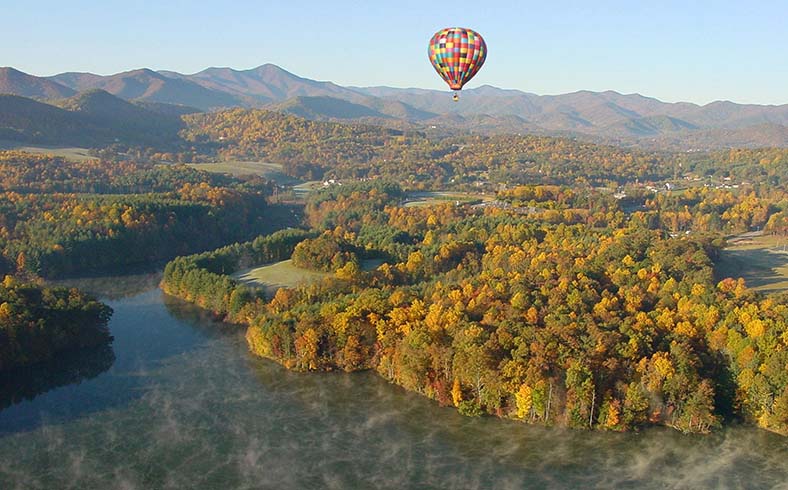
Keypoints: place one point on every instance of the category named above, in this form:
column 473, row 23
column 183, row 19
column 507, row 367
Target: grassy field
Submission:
column 267, row 170
column 301, row 190
column 762, row 260
column 279, row 275
column 285, row 275
column 427, row 198
column 73, row 154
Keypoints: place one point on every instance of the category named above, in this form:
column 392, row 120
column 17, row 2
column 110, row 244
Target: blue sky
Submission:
column 697, row 51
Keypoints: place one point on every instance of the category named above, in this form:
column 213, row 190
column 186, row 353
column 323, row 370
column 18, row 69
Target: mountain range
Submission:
column 608, row 116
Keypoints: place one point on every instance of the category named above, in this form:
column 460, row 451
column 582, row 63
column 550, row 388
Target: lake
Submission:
column 177, row 402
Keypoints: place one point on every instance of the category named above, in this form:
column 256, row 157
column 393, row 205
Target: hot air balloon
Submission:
column 457, row 55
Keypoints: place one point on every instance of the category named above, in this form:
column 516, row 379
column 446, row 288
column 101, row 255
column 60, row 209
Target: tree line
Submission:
column 59, row 218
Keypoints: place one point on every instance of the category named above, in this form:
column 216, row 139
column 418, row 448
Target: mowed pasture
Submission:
column 762, row 260
column 69, row 153
column 267, row 170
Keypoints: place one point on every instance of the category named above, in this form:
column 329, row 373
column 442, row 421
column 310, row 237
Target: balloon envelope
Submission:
column 457, row 55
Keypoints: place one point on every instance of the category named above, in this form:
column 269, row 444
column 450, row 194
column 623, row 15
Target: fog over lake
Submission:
column 179, row 403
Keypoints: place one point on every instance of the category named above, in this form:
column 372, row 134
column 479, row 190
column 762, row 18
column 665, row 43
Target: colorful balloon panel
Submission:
column 457, row 55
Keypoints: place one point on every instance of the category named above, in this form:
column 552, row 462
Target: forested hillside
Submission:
column 311, row 149
column 60, row 218
column 93, row 119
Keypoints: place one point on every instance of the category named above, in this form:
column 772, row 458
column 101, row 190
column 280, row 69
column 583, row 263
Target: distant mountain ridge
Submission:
column 150, row 86
column 605, row 115
column 15, row 82
column 266, row 83
column 92, row 118
column 29, row 121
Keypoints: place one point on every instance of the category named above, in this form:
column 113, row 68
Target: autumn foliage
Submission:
column 579, row 324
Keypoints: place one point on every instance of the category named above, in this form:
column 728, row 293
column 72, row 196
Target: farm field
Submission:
column 268, row 170
column 69, row 153
column 762, row 260
column 301, row 190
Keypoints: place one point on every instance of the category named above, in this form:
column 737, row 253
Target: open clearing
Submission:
column 272, row 171
column 303, row 189
column 285, row 275
column 69, row 153
column 762, row 260
column 431, row 198
column 279, row 275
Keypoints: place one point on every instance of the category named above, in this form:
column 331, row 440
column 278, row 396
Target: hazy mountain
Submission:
column 569, row 120
column 583, row 111
column 265, row 84
column 150, row 86
column 331, row 108
column 15, row 82
column 648, row 126
column 482, row 123
column 92, row 118
column 166, row 109
column 482, row 100
column 724, row 114
column 78, row 81
column 124, row 118
column 762, row 135
column 397, row 109
column 605, row 115
column 591, row 112
column 321, row 107
column 26, row 120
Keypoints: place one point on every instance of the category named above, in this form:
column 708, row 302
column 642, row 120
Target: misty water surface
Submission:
column 179, row 403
